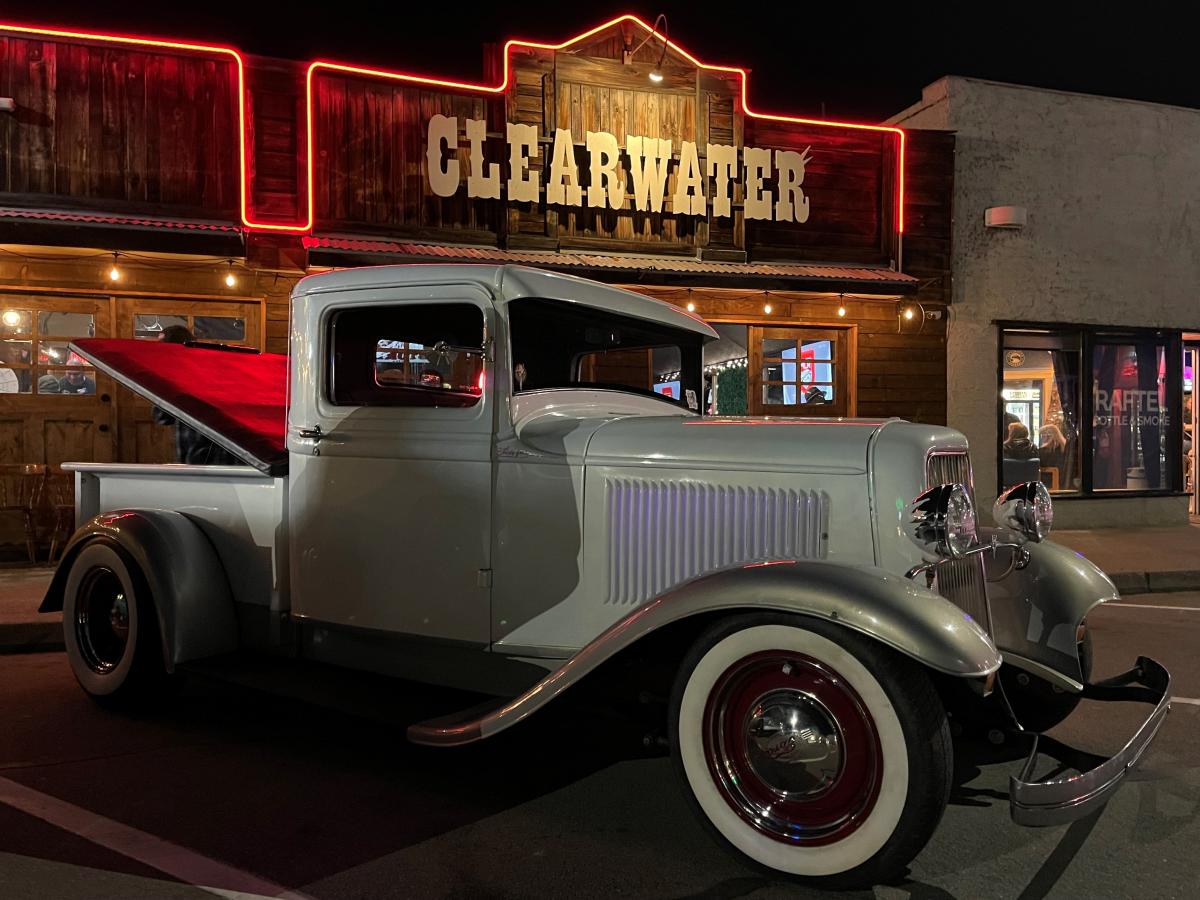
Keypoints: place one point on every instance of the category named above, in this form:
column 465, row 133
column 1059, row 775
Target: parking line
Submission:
column 1149, row 606
column 178, row 862
column 1192, row 700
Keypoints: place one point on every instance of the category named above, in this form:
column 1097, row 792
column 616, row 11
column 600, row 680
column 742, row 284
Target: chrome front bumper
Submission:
column 1060, row 800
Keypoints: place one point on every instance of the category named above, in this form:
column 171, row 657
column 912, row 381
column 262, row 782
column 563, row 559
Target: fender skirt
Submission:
column 182, row 571
column 887, row 607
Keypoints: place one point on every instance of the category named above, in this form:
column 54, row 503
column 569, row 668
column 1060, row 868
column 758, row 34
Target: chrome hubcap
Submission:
column 793, row 744
column 102, row 620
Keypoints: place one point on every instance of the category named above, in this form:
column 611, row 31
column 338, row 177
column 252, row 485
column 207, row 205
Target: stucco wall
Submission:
column 1112, row 189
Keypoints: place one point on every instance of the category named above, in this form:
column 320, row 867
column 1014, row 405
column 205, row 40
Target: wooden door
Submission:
column 799, row 372
column 54, row 407
column 140, row 438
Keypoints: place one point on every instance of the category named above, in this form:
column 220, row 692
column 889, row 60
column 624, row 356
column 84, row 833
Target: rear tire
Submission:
column 111, row 632
column 810, row 750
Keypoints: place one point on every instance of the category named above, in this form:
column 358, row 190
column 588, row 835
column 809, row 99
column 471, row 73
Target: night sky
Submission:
column 850, row 60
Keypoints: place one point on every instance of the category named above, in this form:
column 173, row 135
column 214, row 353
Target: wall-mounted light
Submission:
column 114, row 273
column 656, row 75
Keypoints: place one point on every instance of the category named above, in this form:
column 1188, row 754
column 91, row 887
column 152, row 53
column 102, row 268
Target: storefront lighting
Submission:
column 114, row 273
column 656, row 76
column 908, row 313
column 230, row 278
column 767, row 308
column 842, row 311
column 691, row 307
column 12, row 318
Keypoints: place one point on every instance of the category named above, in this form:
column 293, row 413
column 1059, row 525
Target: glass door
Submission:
column 1191, row 358
column 140, row 438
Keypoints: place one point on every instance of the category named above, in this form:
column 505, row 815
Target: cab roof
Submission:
column 508, row 283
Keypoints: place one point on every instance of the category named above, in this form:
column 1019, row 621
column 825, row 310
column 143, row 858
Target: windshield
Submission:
column 564, row 345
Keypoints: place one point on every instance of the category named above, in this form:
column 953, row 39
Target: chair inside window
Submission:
column 60, row 495
column 20, row 493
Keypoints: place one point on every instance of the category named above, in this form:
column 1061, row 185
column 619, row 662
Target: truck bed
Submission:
column 234, row 396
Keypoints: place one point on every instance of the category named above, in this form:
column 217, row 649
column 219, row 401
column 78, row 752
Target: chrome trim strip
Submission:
column 168, row 469
column 1042, row 803
column 1055, row 677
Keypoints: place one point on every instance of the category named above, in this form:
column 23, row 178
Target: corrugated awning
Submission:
column 866, row 278
column 52, row 215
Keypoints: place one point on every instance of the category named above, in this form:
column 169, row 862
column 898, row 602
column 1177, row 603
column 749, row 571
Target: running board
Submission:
column 463, row 727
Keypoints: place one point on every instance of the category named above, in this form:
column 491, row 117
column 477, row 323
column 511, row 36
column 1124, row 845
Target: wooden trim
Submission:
column 117, row 295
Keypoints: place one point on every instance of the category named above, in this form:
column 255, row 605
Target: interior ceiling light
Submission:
column 11, row 318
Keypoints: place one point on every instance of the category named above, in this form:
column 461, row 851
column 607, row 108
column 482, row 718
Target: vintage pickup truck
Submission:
column 458, row 476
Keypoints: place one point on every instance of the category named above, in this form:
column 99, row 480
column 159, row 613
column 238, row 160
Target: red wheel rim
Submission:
column 792, row 748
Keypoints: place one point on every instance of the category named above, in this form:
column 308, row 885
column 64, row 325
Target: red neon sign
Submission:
column 233, row 54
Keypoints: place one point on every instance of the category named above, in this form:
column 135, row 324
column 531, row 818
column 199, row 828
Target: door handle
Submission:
column 313, row 434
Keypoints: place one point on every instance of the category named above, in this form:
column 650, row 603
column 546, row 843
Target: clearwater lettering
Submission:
column 647, row 160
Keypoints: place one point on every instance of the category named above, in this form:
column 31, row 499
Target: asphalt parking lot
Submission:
column 236, row 792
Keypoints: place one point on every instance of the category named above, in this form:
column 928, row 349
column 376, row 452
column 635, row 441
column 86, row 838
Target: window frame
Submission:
column 1090, row 336
column 329, row 394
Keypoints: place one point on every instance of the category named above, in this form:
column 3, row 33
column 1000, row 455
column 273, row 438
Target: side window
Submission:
column 407, row 355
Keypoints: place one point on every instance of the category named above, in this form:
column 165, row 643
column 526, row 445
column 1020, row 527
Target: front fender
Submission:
column 887, row 607
column 1036, row 610
column 185, row 576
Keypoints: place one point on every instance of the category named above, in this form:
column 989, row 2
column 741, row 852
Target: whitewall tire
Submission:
column 809, row 749
column 110, row 629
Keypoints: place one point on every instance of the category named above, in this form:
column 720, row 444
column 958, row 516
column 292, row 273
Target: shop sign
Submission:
column 1128, row 407
column 648, row 160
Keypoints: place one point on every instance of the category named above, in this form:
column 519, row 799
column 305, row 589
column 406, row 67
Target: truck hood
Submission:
column 833, row 446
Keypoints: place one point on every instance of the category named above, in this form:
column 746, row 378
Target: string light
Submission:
column 691, row 307
column 114, row 274
column 767, row 308
column 842, row 311
column 230, row 278
column 728, row 364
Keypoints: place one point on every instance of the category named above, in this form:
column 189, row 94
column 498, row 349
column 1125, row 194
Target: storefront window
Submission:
column 1089, row 412
column 1039, row 426
column 1130, row 416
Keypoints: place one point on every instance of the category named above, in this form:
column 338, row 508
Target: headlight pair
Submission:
column 943, row 518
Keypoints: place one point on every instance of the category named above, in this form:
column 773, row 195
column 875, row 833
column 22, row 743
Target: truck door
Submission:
column 390, row 471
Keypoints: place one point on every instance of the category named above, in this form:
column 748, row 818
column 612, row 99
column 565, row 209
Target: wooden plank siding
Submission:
column 102, row 127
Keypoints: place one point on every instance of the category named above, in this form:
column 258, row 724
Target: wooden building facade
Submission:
column 147, row 183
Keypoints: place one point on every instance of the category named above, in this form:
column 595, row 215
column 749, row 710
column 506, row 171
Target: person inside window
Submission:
column 190, row 445
column 1018, row 445
column 76, row 381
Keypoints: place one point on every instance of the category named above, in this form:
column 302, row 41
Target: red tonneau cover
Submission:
column 234, row 397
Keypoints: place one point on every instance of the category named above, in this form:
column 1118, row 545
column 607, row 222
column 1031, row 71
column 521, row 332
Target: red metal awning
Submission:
column 82, row 218
column 877, row 279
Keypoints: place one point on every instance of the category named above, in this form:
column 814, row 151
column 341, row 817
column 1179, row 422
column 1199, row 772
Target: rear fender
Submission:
column 887, row 607
column 186, row 579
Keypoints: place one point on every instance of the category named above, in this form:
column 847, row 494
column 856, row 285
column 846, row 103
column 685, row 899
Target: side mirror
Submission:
column 1025, row 508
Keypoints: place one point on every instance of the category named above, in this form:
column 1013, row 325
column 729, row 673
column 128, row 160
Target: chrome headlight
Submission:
column 1025, row 508
column 943, row 520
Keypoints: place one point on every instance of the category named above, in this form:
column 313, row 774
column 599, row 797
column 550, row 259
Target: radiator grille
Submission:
column 961, row 581
column 661, row 533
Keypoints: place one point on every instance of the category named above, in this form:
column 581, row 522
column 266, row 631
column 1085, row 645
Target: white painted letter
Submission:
column 523, row 184
column 757, row 162
column 605, row 187
column 563, row 169
column 722, row 160
column 484, row 178
column 443, row 173
column 792, row 205
column 689, row 199
column 648, row 160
